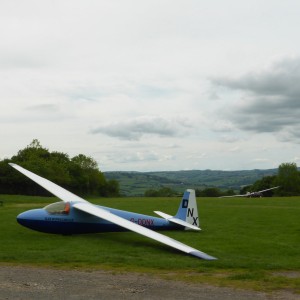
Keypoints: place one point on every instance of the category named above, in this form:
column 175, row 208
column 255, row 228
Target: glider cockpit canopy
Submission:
column 58, row 208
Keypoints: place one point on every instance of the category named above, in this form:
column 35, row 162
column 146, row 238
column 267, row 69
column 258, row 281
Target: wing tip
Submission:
column 202, row 255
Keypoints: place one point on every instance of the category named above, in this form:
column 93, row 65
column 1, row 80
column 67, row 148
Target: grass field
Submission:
column 256, row 241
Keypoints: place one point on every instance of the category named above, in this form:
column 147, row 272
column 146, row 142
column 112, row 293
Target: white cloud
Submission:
column 134, row 129
column 268, row 100
column 138, row 74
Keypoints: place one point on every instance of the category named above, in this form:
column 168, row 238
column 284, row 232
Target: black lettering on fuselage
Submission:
column 143, row 222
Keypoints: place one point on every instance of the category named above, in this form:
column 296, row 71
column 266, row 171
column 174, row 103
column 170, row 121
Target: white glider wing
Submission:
column 91, row 209
column 103, row 214
column 249, row 194
column 275, row 187
column 53, row 188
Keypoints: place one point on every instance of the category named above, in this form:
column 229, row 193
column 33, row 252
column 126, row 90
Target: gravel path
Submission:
column 41, row 283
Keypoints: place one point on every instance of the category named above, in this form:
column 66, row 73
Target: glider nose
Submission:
column 30, row 218
column 22, row 218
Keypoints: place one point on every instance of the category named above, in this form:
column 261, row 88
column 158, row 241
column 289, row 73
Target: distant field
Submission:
column 256, row 241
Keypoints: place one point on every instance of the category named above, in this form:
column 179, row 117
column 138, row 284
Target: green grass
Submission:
column 257, row 242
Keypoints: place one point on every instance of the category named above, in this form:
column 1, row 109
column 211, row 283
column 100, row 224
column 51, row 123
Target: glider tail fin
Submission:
column 187, row 214
column 188, row 210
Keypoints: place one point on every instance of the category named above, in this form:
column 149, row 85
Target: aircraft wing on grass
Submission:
column 251, row 194
column 96, row 211
column 91, row 209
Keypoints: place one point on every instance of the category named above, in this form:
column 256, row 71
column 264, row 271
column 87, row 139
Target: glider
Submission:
column 251, row 194
column 75, row 215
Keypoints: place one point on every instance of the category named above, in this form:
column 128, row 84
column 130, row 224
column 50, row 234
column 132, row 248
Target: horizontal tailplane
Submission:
column 176, row 221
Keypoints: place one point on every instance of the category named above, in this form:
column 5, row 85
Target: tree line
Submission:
column 79, row 174
column 287, row 178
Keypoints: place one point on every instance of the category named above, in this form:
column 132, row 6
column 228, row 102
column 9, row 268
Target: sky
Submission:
column 153, row 85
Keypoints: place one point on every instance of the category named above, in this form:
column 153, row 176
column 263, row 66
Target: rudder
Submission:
column 188, row 210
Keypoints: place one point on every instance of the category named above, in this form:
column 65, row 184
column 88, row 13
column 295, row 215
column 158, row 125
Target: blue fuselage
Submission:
column 75, row 221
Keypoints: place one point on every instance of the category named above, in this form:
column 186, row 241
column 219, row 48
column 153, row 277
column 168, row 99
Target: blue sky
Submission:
column 153, row 85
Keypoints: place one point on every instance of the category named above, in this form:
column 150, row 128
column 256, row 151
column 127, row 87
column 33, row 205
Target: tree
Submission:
column 112, row 188
column 91, row 177
column 229, row 192
column 209, row 192
column 33, row 152
column 288, row 179
column 162, row 192
column 85, row 162
column 79, row 174
column 261, row 184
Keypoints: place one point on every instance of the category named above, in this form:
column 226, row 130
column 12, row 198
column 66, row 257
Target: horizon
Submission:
column 193, row 170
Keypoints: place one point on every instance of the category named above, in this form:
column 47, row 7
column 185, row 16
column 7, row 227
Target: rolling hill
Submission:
column 136, row 183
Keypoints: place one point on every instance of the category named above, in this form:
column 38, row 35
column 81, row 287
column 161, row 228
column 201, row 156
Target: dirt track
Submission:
column 40, row 283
